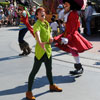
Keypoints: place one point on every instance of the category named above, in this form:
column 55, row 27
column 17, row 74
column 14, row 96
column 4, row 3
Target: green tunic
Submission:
column 45, row 31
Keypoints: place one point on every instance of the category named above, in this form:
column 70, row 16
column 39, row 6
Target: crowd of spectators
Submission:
column 9, row 15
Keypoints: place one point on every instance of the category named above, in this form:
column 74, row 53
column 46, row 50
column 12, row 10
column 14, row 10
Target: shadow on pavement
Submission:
column 13, row 29
column 9, row 58
column 38, row 94
column 54, row 48
column 97, row 63
column 64, row 53
column 39, row 82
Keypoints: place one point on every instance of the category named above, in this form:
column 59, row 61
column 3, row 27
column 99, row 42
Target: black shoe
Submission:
column 79, row 69
column 76, row 72
column 27, row 53
column 22, row 54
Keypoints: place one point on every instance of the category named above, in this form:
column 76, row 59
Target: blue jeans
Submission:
column 88, row 20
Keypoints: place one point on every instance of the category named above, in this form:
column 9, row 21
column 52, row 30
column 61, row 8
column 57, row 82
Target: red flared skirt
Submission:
column 76, row 42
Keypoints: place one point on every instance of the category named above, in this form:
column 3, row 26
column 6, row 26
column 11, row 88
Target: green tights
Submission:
column 36, row 67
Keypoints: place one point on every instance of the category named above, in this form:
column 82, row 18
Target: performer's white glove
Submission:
column 24, row 13
column 64, row 40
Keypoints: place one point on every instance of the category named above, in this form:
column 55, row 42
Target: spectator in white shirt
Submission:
column 54, row 26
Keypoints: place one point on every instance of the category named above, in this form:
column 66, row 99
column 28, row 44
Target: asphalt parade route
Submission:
column 14, row 71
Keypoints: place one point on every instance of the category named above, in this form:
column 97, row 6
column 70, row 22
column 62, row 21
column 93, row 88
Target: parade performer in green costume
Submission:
column 43, row 53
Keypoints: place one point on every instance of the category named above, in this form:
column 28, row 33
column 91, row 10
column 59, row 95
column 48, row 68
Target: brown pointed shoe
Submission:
column 30, row 96
column 54, row 88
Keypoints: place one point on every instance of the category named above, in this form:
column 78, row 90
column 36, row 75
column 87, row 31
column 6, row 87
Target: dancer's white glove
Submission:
column 64, row 40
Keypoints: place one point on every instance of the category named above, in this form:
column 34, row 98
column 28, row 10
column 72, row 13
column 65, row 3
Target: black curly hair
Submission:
column 74, row 5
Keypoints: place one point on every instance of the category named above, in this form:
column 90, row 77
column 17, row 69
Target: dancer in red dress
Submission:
column 76, row 42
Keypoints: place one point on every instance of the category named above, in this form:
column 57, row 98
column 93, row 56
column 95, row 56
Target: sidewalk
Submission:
column 14, row 72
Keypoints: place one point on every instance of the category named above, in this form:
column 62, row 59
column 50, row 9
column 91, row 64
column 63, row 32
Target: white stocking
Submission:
column 77, row 59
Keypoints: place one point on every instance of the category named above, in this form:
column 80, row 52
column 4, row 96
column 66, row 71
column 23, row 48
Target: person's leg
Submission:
column 36, row 67
column 32, row 75
column 77, row 59
column 23, row 44
column 77, row 65
column 88, row 25
column 48, row 65
column 21, row 35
